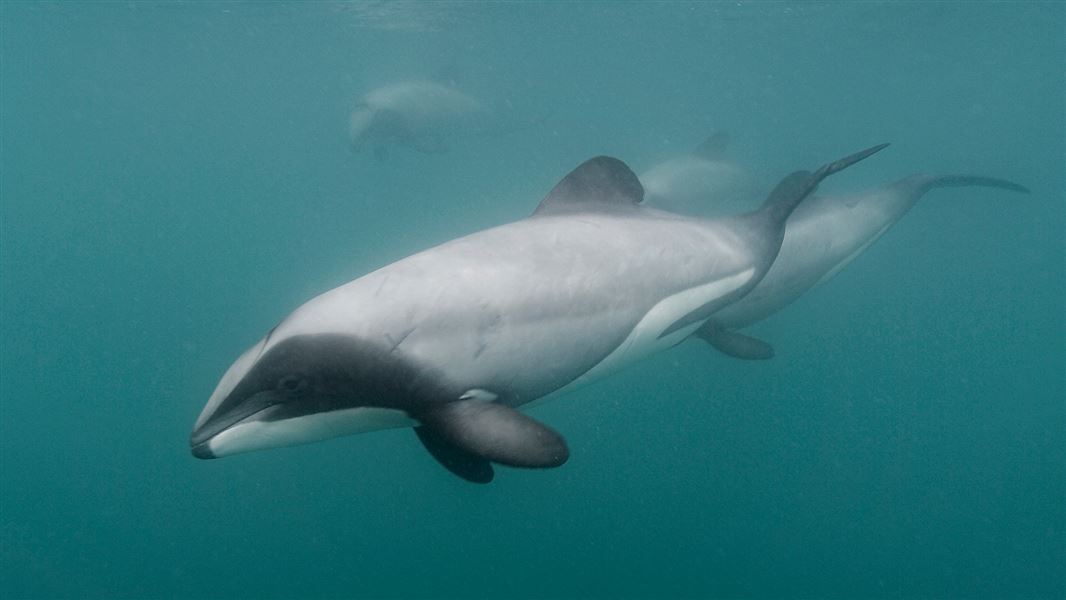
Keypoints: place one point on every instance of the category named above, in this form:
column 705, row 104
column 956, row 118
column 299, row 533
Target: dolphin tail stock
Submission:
column 796, row 186
column 916, row 186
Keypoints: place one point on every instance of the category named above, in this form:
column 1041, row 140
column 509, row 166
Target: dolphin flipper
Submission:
column 735, row 344
column 495, row 432
column 460, row 462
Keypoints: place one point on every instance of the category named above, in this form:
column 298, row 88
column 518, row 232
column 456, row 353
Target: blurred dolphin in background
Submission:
column 423, row 115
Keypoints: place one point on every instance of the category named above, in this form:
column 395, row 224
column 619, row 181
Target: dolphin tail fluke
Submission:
column 917, row 185
column 795, row 187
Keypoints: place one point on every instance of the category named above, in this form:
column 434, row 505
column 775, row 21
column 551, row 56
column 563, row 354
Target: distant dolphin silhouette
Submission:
column 422, row 115
column 453, row 339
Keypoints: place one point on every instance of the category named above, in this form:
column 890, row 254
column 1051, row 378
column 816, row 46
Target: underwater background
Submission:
column 175, row 178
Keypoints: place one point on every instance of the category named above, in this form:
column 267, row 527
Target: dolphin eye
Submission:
column 292, row 383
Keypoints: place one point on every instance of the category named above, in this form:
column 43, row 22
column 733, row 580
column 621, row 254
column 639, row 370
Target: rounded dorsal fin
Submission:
column 601, row 183
column 714, row 147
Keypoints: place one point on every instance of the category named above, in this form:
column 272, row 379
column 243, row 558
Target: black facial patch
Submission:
column 310, row 374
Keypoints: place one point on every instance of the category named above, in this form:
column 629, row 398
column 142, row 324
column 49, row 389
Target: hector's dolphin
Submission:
column 822, row 236
column 419, row 114
column 704, row 182
column 453, row 339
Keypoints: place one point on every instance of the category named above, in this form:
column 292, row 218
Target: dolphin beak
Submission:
column 255, row 408
column 200, row 442
column 203, row 450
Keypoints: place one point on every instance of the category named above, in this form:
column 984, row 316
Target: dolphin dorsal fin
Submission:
column 714, row 147
column 601, row 183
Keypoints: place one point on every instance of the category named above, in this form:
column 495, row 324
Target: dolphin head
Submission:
column 304, row 388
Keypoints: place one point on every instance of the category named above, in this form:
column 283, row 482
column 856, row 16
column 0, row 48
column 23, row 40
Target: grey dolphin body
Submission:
column 822, row 237
column 452, row 339
column 422, row 115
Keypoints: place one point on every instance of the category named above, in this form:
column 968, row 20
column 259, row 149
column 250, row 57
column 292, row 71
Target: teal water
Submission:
column 174, row 179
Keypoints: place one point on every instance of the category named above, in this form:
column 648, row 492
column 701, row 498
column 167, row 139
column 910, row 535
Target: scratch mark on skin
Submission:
column 266, row 341
column 486, row 330
column 381, row 285
column 396, row 343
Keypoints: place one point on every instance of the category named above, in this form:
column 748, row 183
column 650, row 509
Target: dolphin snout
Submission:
column 200, row 441
column 202, row 450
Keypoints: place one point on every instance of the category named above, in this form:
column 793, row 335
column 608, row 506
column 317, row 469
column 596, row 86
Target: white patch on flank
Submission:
column 258, row 435
column 478, row 394
column 644, row 340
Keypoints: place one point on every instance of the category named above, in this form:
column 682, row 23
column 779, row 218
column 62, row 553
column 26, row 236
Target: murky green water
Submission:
column 175, row 178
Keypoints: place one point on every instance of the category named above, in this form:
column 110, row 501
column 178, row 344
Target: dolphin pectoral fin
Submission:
column 460, row 462
column 735, row 344
column 496, row 432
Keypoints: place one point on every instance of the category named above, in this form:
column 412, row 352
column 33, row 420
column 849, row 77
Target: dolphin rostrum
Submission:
column 453, row 339
column 821, row 237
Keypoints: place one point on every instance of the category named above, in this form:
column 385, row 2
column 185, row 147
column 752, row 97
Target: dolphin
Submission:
column 703, row 182
column 422, row 115
column 453, row 339
column 822, row 237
